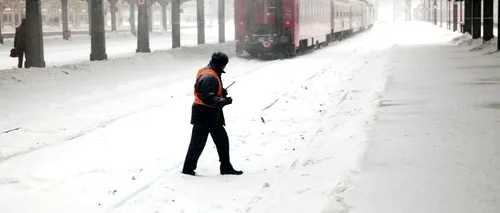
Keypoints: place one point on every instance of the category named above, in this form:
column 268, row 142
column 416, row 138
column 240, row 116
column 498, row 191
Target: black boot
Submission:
column 187, row 172
column 229, row 170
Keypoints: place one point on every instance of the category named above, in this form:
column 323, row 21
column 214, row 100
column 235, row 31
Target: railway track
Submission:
column 72, row 136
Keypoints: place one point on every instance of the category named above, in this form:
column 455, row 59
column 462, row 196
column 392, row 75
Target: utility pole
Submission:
column 2, row 7
column 34, row 49
column 98, row 37
column 441, row 13
column 455, row 14
column 163, row 5
column 468, row 16
column 200, row 16
column 434, row 11
column 176, row 25
column 476, row 19
column 150, row 9
column 427, row 10
column 222, row 22
column 487, row 20
column 461, row 16
column 89, row 11
column 1, row 22
column 131, row 20
column 448, row 5
column 64, row 11
column 142, row 28
column 113, row 9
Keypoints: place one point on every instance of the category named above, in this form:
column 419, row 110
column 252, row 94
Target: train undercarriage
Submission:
column 268, row 47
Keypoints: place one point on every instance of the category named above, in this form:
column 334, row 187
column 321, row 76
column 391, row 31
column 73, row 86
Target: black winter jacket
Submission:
column 207, row 86
column 20, row 38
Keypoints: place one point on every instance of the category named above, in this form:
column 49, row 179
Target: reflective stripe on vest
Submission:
column 207, row 71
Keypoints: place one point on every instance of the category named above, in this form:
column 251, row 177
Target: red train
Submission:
column 285, row 27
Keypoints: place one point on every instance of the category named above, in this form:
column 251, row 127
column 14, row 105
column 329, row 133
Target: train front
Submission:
column 261, row 28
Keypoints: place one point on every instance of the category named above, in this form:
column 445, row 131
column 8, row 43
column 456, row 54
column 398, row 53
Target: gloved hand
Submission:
column 224, row 92
column 229, row 100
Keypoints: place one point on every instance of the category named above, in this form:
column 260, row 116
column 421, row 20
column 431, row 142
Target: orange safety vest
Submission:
column 207, row 71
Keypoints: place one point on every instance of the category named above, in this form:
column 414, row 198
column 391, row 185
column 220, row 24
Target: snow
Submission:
column 61, row 52
column 478, row 45
column 434, row 146
column 157, row 26
column 111, row 136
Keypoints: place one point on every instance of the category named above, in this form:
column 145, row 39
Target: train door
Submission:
column 276, row 6
column 249, row 12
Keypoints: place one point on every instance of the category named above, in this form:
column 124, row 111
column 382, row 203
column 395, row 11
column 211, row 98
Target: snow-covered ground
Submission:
column 435, row 145
column 157, row 26
column 111, row 136
column 59, row 52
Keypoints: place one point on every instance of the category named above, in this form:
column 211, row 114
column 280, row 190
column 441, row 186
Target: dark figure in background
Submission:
column 20, row 42
column 207, row 116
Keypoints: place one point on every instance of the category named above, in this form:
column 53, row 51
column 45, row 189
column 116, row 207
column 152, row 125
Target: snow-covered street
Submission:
column 111, row 136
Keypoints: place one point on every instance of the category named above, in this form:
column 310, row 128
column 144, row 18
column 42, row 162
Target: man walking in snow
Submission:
column 207, row 116
column 20, row 42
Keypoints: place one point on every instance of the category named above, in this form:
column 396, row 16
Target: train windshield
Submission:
column 264, row 5
column 262, row 16
column 271, row 4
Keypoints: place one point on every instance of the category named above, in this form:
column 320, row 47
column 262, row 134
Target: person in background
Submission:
column 20, row 42
column 207, row 116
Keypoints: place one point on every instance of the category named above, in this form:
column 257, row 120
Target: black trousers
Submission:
column 20, row 59
column 199, row 138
